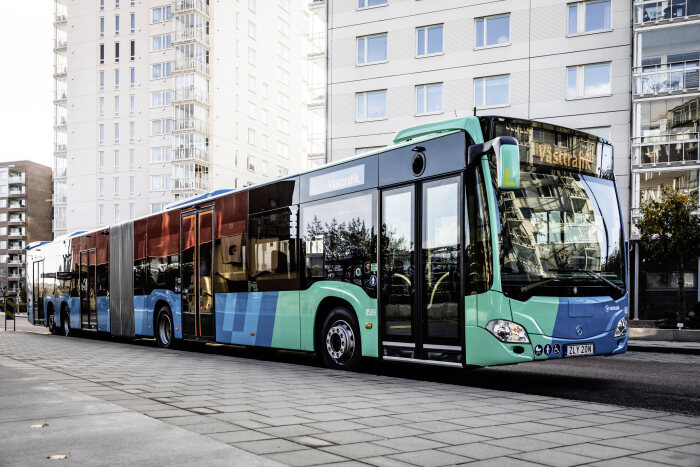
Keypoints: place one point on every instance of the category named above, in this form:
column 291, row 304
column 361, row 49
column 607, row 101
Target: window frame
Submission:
column 386, row 106
column 366, row 42
column 485, row 78
column 485, row 20
column 366, row 7
column 427, row 54
column 581, row 19
column 581, row 81
column 425, row 99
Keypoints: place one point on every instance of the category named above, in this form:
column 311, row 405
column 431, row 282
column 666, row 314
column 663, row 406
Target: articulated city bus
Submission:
column 469, row 242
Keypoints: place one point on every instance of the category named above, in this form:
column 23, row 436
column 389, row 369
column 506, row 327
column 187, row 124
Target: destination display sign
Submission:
column 559, row 148
column 337, row 180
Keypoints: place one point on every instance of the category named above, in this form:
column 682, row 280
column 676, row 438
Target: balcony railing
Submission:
column 60, row 18
column 666, row 149
column 182, row 6
column 15, row 246
column 60, row 147
column 60, row 121
column 191, row 94
column 317, row 3
column 190, row 184
column 16, row 219
column 59, row 224
column 15, row 206
column 62, row 44
column 16, row 233
column 318, row 98
column 191, row 124
column 192, row 64
column 316, row 44
column 59, row 70
column 192, row 34
column 16, row 179
column 191, row 154
column 59, row 198
column 17, row 191
column 674, row 77
column 654, row 10
column 59, row 95
column 60, row 172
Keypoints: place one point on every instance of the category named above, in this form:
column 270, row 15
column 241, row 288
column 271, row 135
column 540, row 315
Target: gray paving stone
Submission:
column 554, row 458
column 454, row 437
column 665, row 438
column 337, row 425
column 627, row 462
column 669, row 457
column 311, row 441
column 230, row 437
column 693, row 449
column 430, row 458
column 597, row 451
column 386, row 462
column 394, row 431
column 211, row 427
column 632, row 444
column 360, row 450
column 347, row 437
column 306, row 457
column 269, row 446
column 287, row 431
column 410, row 443
column 523, row 444
column 495, row 431
column 436, row 426
column 562, row 438
column 502, row 462
column 479, row 450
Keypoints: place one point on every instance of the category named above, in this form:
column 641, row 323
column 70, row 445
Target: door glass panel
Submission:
column 92, row 283
column 206, row 295
column 187, row 275
column 440, row 258
column 84, row 307
column 398, row 261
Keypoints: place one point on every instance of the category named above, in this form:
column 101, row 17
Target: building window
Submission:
column 370, row 3
column 116, row 25
column 265, row 142
column 132, row 105
column 251, row 30
column 494, row 30
column 284, row 4
column 370, row 105
column 132, row 210
column 101, row 160
column 132, row 23
column 251, row 83
column 264, row 168
column 132, row 158
column 132, row 52
column 116, row 213
column 283, row 100
column 102, row 5
column 102, row 80
column 265, row 90
column 161, row 70
column 116, row 161
column 282, row 77
column 116, row 133
column 372, row 49
column 161, row 42
column 116, row 52
column 116, row 79
column 102, row 54
column 132, row 186
column 282, row 51
column 116, row 4
column 101, row 102
column 101, row 213
column 101, row 131
column 161, row 127
column 283, row 125
column 161, row 98
column 116, row 106
column 251, row 136
column 251, row 163
column 132, row 132
column 132, row 77
column 283, row 26
column 360, row 151
column 160, row 14
column 101, row 188
column 160, row 182
column 251, row 57
column 282, row 149
column 588, row 81
column 429, row 99
column 157, row 207
column 589, row 16
column 429, row 40
column 492, row 91
column 102, row 26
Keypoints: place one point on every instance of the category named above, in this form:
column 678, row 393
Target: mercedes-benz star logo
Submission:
column 579, row 330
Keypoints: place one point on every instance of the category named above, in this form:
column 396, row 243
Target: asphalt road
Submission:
column 648, row 380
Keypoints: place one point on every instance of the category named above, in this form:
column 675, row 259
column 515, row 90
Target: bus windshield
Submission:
column 560, row 235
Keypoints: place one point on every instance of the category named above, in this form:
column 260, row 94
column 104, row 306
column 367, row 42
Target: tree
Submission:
column 670, row 231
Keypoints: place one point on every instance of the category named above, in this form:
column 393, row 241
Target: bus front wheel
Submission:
column 65, row 321
column 164, row 328
column 340, row 340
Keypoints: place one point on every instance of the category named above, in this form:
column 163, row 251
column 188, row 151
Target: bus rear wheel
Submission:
column 164, row 328
column 53, row 329
column 65, row 321
column 340, row 340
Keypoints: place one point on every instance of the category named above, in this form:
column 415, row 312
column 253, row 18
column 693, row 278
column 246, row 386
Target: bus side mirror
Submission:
column 507, row 162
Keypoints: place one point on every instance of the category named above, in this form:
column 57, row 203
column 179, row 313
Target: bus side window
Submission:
column 272, row 251
column 231, row 273
column 478, row 255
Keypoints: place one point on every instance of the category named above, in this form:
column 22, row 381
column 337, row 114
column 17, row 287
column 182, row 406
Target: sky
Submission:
column 26, row 78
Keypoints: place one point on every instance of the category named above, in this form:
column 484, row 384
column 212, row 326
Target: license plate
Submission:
column 578, row 350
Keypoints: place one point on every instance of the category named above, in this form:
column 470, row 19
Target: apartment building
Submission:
column 398, row 63
column 157, row 101
column 25, row 217
column 665, row 101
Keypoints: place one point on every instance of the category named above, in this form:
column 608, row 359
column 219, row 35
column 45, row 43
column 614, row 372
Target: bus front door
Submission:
column 196, row 274
column 37, row 314
column 421, row 281
column 87, row 281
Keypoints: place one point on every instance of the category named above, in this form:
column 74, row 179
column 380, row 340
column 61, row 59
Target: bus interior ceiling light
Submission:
column 508, row 331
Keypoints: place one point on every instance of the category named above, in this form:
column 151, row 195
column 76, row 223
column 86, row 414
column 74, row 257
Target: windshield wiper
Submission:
column 525, row 288
column 601, row 278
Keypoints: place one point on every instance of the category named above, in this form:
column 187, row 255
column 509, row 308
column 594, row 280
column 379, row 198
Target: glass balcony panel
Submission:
column 690, row 151
column 675, row 152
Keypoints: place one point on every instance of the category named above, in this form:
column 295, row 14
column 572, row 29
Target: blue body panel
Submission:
column 143, row 316
column 74, row 309
column 584, row 317
column 240, row 314
column 144, row 308
column 103, row 314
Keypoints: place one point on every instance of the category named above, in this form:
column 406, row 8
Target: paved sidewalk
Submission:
column 304, row 415
column 664, row 346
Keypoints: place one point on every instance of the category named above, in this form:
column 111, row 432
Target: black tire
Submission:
column 65, row 324
column 53, row 328
column 339, row 342
column 164, row 328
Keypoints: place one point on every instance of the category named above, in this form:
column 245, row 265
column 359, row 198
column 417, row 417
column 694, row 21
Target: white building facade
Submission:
column 399, row 63
column 159, row 100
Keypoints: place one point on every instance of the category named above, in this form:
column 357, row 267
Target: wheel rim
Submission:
column 164, row 329
column 340, row 342
column 66, row 325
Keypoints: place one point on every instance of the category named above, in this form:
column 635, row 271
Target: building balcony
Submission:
column 316, row 45
column 59, row 198
column 190, row 154
column 60, row 172
column 191, row 94
column 191, row 124
column 15, row 206
column 16, row 233
column 674, row 78
column 16, row 220
column 16, row 179
column 14, row 246
column 59, row 96
column 317, row 99
column 190, row 184
column 190, row 35
column 60, row 148
column 190, row 6
column 60, row 70
column 192, row 64
column 654, row 11
column 59, row 224
column 60, row 45
column 60, row 121
column 666, row 150
column 60, row 18
column 17, row 191
column 317, row 4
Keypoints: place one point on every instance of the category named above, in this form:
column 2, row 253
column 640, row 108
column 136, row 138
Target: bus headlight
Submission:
column 621, row 329
column 508, row 331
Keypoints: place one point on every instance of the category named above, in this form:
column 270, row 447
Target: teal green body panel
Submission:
column 286, row 331
column 365, row 309
column 537, row 315
column 493, row 223
column 483, row 349
column 469, row 124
